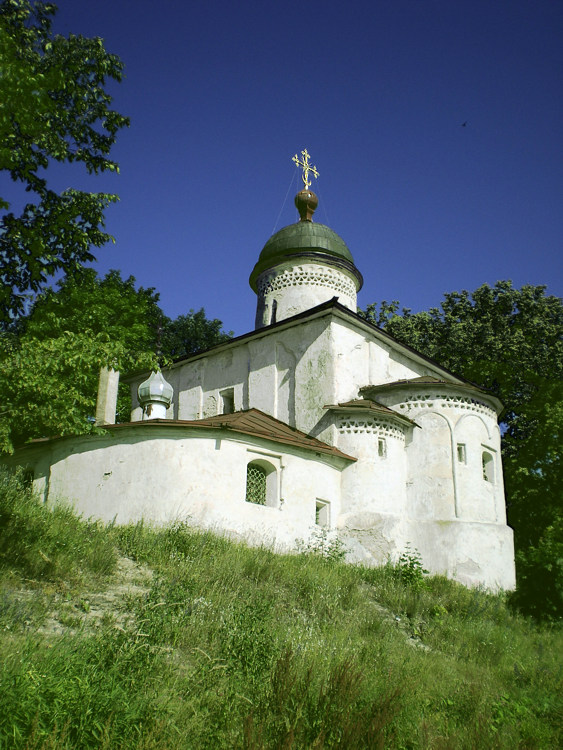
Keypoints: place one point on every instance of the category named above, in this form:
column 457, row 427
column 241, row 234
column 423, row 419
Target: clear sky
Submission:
column 222, row 94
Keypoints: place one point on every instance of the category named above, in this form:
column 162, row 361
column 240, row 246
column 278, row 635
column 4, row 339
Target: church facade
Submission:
column 316, row 420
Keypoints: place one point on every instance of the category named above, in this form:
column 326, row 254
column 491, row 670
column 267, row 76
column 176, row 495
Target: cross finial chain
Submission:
column 306, row 167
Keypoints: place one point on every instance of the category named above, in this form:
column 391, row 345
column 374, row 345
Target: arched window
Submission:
column 255, row 484
column 261, row 483
column 488, row 466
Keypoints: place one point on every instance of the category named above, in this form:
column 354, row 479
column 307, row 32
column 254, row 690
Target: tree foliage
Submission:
column 191, row 333
column 54, row 109
column 50, row 360
column 110, row 305
column 50, row 385
column 508, row 341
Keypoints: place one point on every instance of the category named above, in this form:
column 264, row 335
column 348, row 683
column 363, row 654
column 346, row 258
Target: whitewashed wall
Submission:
column 298, row 285
column 442, row 484
column 421, row 493
column 290, row 373
column 163, row 474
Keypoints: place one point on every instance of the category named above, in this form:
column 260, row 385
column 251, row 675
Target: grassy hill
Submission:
column 132, row 637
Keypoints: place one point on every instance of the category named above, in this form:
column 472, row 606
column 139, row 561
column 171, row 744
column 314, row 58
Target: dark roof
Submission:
column 303, row 235
column 303, row 238
column 365, row 404
column 420, row 379
column 251, row 422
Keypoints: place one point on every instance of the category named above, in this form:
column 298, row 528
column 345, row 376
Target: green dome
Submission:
column 296, row 239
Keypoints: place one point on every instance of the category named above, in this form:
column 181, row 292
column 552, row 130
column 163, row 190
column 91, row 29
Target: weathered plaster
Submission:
column 434, row 482
column 175, row 474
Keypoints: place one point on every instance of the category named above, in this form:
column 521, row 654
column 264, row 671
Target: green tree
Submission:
column 191, row 333
column 50, row 386
column 508, row 341
column 54, row 108
column 111, row 306
column 114, row 306
column 50, row 360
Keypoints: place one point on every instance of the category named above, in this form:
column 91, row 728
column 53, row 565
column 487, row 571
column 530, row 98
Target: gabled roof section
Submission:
column 331, row 307
column 366, row 405
column 251, row 422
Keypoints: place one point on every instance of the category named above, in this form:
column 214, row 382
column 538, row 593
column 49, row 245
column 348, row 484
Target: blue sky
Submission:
column 222, row 94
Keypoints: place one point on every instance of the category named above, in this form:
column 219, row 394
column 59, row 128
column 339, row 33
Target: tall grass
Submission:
column 43, row 543
column 234, row 647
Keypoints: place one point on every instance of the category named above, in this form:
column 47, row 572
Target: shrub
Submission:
column 539, row 570
column 409, row 569
column 323, row 544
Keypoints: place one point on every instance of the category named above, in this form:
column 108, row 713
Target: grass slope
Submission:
column 229, row 647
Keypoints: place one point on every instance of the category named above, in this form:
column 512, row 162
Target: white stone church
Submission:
column 315, row 420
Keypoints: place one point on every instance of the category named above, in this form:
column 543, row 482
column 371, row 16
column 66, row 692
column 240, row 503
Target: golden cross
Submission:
column 306, row 167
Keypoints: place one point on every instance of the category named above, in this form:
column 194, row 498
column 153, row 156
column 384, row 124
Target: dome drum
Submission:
column 300, row 284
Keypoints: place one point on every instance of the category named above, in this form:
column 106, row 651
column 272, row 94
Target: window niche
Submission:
column 322, row 514
column 227, row 401
column 381, row 448
column 461, row 453
column 261, row 483
column 488, row 464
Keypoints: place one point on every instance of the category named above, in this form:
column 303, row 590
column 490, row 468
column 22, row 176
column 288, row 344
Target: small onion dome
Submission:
column 155, row 390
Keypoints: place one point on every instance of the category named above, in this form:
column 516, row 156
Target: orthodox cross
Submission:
column 306, row 167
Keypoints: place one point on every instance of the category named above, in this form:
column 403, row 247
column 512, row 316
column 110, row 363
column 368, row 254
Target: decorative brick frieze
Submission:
column 298, row 276
column 371, row 426
column 430, row 401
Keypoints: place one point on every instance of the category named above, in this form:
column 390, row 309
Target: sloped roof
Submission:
column 365, row 404
column 331, row 306
column 250, row 422
column 369, row 390
column 419, row 379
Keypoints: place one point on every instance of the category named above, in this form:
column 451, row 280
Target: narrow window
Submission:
column 262, row 483
column 461, row 453
column 227, row 401
column 256, row 484
column 488, row 466
column 381, row 448
column 274, row 312
column 322, row 514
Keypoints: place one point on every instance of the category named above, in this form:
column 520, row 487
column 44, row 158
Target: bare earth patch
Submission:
column 91, row 609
